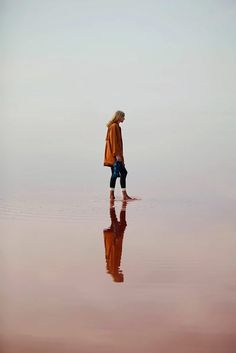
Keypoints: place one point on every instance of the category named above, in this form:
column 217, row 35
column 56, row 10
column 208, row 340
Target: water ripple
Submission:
column 73, row 211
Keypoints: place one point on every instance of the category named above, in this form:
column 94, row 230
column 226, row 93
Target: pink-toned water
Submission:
column 156, row 275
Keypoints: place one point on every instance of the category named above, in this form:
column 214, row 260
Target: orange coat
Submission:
column 114, row 145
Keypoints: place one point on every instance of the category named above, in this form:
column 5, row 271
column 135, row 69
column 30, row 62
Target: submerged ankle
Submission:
column 112, row 195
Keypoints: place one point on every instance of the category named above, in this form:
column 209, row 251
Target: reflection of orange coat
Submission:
column 113, row 251
column 113, row 239
column 114, row 145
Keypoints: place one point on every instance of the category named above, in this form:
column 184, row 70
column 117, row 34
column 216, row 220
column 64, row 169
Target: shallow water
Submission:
column 156, row 275
column 81, row 275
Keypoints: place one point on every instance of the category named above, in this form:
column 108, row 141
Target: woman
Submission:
column 114, row 157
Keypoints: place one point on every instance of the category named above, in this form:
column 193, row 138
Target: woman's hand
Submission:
column 118, row 158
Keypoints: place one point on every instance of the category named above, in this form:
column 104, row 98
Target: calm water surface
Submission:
column 81, row 275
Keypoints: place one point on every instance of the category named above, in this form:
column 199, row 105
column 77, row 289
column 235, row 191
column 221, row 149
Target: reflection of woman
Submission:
column 113, row 238
column 114, row 157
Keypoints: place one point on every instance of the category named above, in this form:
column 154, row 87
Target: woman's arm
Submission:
column 115, row 142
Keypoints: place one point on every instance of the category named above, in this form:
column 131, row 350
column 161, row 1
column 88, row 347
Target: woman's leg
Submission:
column 123, row 175
column 112, row 184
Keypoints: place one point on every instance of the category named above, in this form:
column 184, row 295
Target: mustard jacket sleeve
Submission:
column 115, row 140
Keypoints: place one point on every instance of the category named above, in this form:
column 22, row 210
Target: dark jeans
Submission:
column 122, row 172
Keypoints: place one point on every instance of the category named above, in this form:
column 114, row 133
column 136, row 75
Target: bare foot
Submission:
column 112, row 195
column 124, row 204
column 112, row 204
column 127, row 197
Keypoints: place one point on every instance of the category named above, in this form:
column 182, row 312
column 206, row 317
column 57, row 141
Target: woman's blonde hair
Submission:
column 115, row 118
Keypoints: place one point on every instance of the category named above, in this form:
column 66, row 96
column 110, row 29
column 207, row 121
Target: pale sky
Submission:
column 170, row 65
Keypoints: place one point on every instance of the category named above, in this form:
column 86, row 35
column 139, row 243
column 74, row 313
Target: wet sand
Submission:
column 156, row 275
